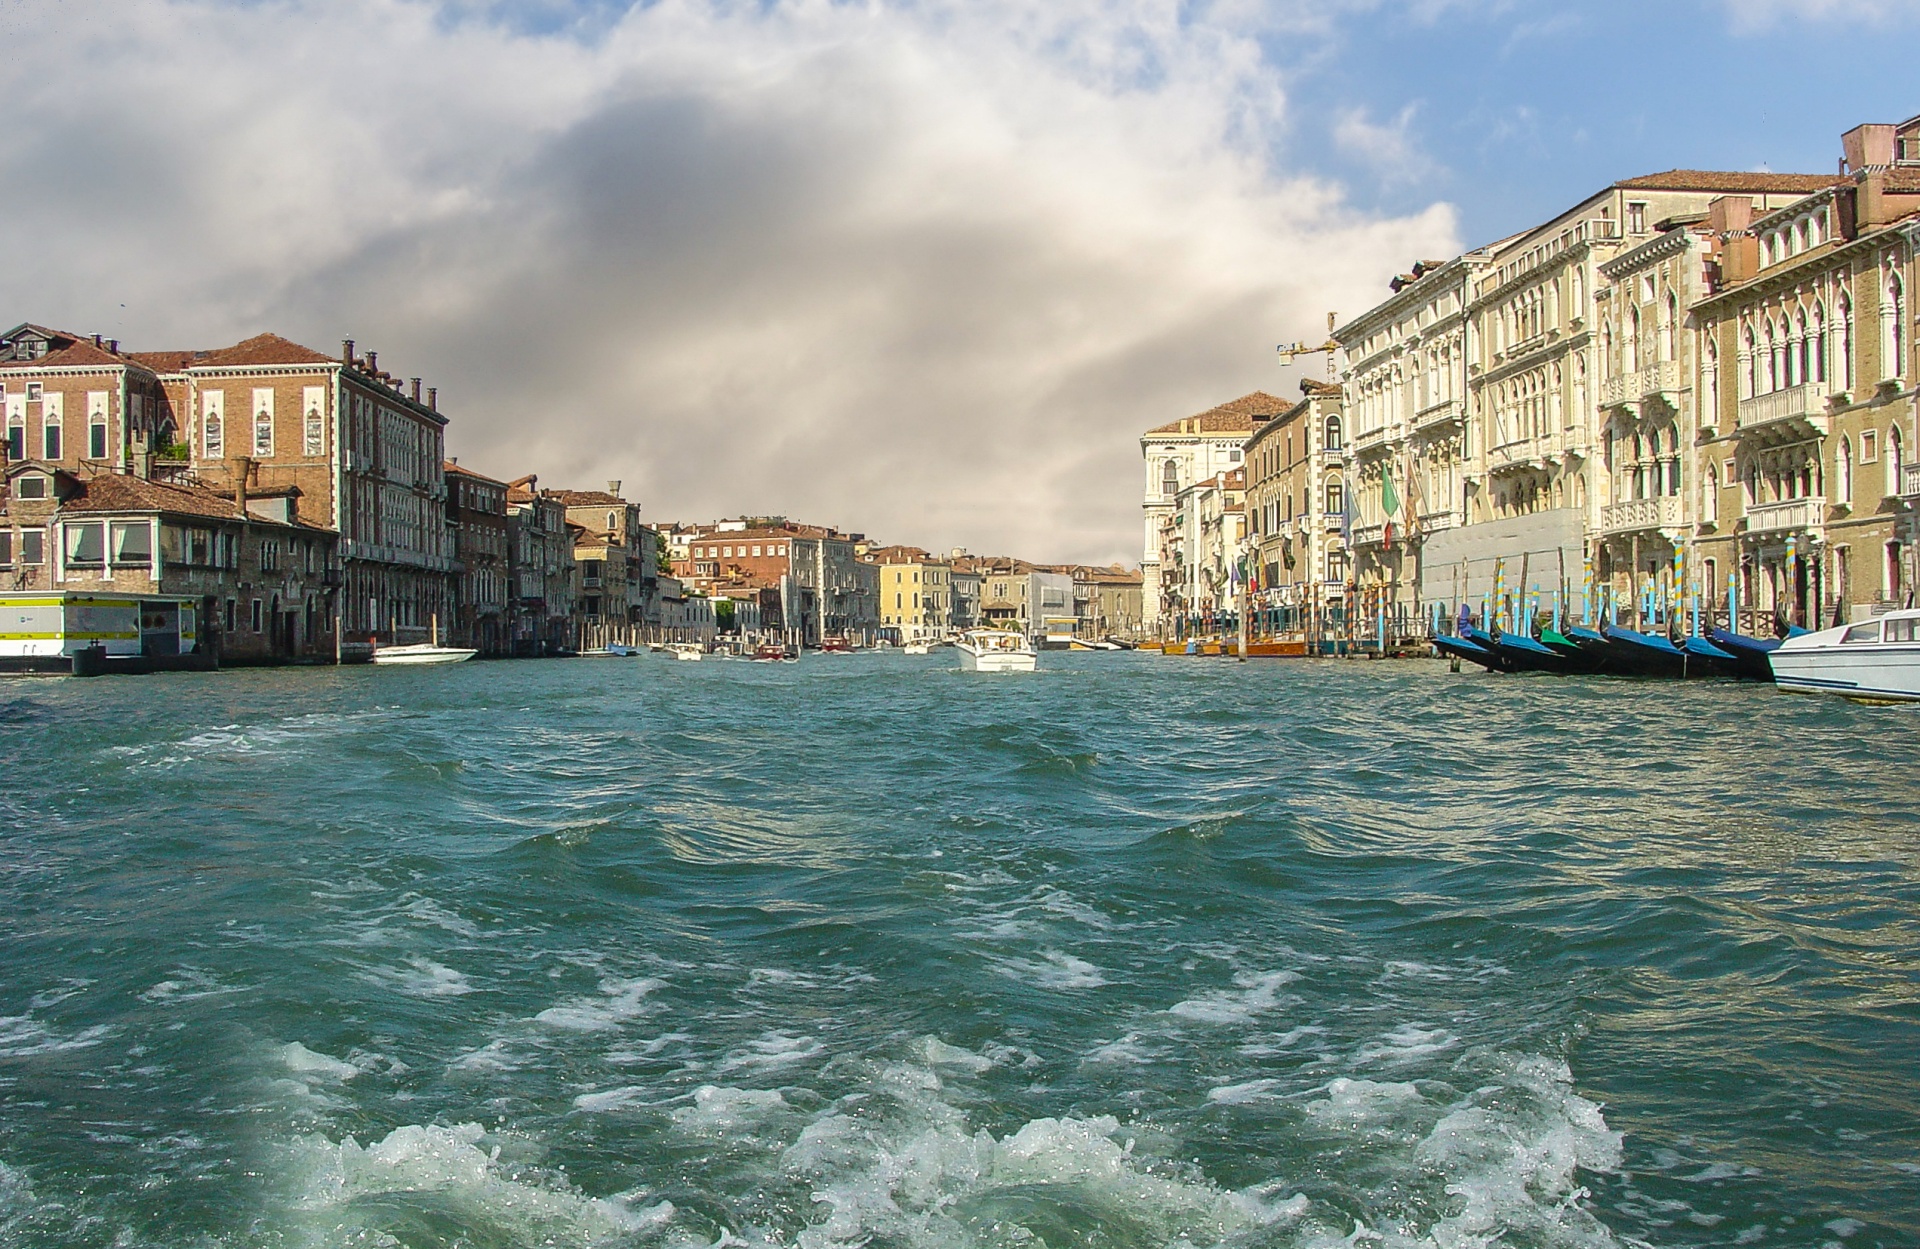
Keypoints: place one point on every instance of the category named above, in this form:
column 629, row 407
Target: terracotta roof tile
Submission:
column 163, row 361
column 260, row 349
column 1730, row 181
column 585, row 498
column 79, row 352
column 1234, row 417
column 116, row 492
column 451, row 468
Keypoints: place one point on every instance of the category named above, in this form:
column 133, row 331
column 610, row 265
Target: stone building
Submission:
column 77, row 402
column 1805, row 478
column 1107, row 602
column 540, row 570
column 1297, row 513
column 477, row 518
column 237, row 577
column 1404, row 375
column 1176, row 455
column 615, row 569
column 915, row 593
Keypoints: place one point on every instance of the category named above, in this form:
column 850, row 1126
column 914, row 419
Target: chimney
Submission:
column 240, row 467
column 1868, row 147
column 96, row 340
column 142, row 455
column 613, row 487
column 373, row 363
column 346, row 351
column 113, row 345
column 416, row 389
column 433, row 398
column 1729, row 213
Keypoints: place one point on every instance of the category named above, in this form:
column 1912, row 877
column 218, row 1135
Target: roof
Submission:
column 1713, row 180
column 67, row 350
column 1235, row 417
column 585, row 498
column 453, row 468
column 163, row 361
column 260, row 349
column 118, row 492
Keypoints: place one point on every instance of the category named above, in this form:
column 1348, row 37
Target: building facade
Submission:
column 477, row 518
column 1176, row 455
column 1297, row 517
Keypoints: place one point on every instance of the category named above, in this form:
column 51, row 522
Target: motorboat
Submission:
column 1874, row 661
column 423, row 653
column 686, row 650
column 774, row 653
column 996, row 650
column 916, row 648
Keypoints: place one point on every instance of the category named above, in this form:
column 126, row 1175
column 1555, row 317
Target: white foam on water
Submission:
column 186, row 985
column 1126, row 1049
column 342, row 1193
column 1364, row 1106
column 1404, row 1044
column 493, row 1056
column 722, row 1109
column 608, row 1100
column 775, row 975
column 421, row 977
column 1054, row 970
column 22, row 1036
column 1266, row 1045
column 618, row 1002
column 1244, row 1093
column 937, row 1053
column 772, row 1051
column 1256, row 995
column 311, row 1063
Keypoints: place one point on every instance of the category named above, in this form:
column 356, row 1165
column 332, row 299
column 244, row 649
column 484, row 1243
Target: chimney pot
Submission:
column 96, row 340
column 433, row 398
column 373, row 363
column 113, row 345
column 613, row 487
column 346, row 351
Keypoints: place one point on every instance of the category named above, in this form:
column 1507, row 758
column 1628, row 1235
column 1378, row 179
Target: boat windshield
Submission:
column 1863, row 633
column 1903, row 630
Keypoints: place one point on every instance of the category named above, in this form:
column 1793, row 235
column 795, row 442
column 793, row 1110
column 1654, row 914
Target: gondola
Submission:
column 1750, row 653
column 1645, row 654
column 1704, row 659
column 1572, row 654
column 1524, row 654
column 1462, row 648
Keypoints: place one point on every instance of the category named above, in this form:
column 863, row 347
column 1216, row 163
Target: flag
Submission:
column 1389, row 501
column 1346, row 517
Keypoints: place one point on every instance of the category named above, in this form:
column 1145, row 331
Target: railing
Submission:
column 1368, row 535
column 1331, row 522
column 1807, row 513
column 1796, row 403
column 1434, row 522
column 1361, row 440
column 1656, row 513
column 1909, row 480
column 1438, row 414
column 1660, row 377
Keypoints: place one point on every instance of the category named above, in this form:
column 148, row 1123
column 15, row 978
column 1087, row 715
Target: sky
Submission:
column 923, row 270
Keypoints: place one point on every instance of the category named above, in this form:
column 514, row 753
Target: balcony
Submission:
column 1789, row 415
column 1436, row 415
column 1909, row 480
column 1367, row 439
column 1368, row 535
column 1662, row 512
column 1434, row 522
column 1807, row 513
column 1659, row 380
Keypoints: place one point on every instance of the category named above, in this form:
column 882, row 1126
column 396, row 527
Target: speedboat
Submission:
column 915, row 648
column 423, row 653
column 996, row 650
column 1875, row 661
column 686, row 650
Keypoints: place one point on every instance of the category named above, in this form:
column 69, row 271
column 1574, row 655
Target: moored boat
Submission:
column 686, row 650
column 422, row 653
column 1876, row 661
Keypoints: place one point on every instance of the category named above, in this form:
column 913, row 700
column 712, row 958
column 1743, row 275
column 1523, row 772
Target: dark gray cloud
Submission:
column 924, row 272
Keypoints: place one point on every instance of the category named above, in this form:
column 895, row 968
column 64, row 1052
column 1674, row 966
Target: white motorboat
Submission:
column 1875, row 661
column 996, row 650
column 422, row 653
column 915, row 648
column 686, row 650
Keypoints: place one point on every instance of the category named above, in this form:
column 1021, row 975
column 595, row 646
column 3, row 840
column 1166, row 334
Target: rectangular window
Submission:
column 6, row 548
column 313, row 406
column 1869, row 446
column 132, row 542
column 30, row 486
column 34, row 391
column 1637, row 218
column 212, row 422
column 86, row 543
column 33, row 546
column 227, row 616
column 263, row 421
column 256, row 617
column 16, row 427
column 226, row 550
column 52, row 420
column 269, row 556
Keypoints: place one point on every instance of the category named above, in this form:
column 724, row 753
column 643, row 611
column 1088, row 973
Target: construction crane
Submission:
column 1289, row 352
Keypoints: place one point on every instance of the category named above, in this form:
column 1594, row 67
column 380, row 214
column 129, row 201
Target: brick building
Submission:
column 73, row 401
column 477, row 518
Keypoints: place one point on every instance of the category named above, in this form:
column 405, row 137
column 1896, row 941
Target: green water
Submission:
column 1131, row 952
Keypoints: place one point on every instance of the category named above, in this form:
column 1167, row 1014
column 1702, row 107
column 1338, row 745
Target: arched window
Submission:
column 1170, row 478
column 1710, row 370
column 1749, row 376
column 1631, row 346
column 1333, row 433
column 1843, row 475
column 1669, row 333
column 613, row 522
column 1335, row 500
column 1797, row 371
column 1894, row 462
column 1710, row 496
column 1817, row 337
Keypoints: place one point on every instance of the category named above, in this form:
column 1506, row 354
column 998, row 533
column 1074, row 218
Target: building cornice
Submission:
column 1795, row 271
column 1660, row 247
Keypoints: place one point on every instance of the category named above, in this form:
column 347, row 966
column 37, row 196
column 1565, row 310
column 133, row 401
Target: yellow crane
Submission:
column 1289, row 352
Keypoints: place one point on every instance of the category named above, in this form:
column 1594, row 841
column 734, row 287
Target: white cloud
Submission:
column 1747, row 16
column 1390, row 147
column 924, row 271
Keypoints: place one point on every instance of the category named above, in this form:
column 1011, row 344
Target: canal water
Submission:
column 1133, row 952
